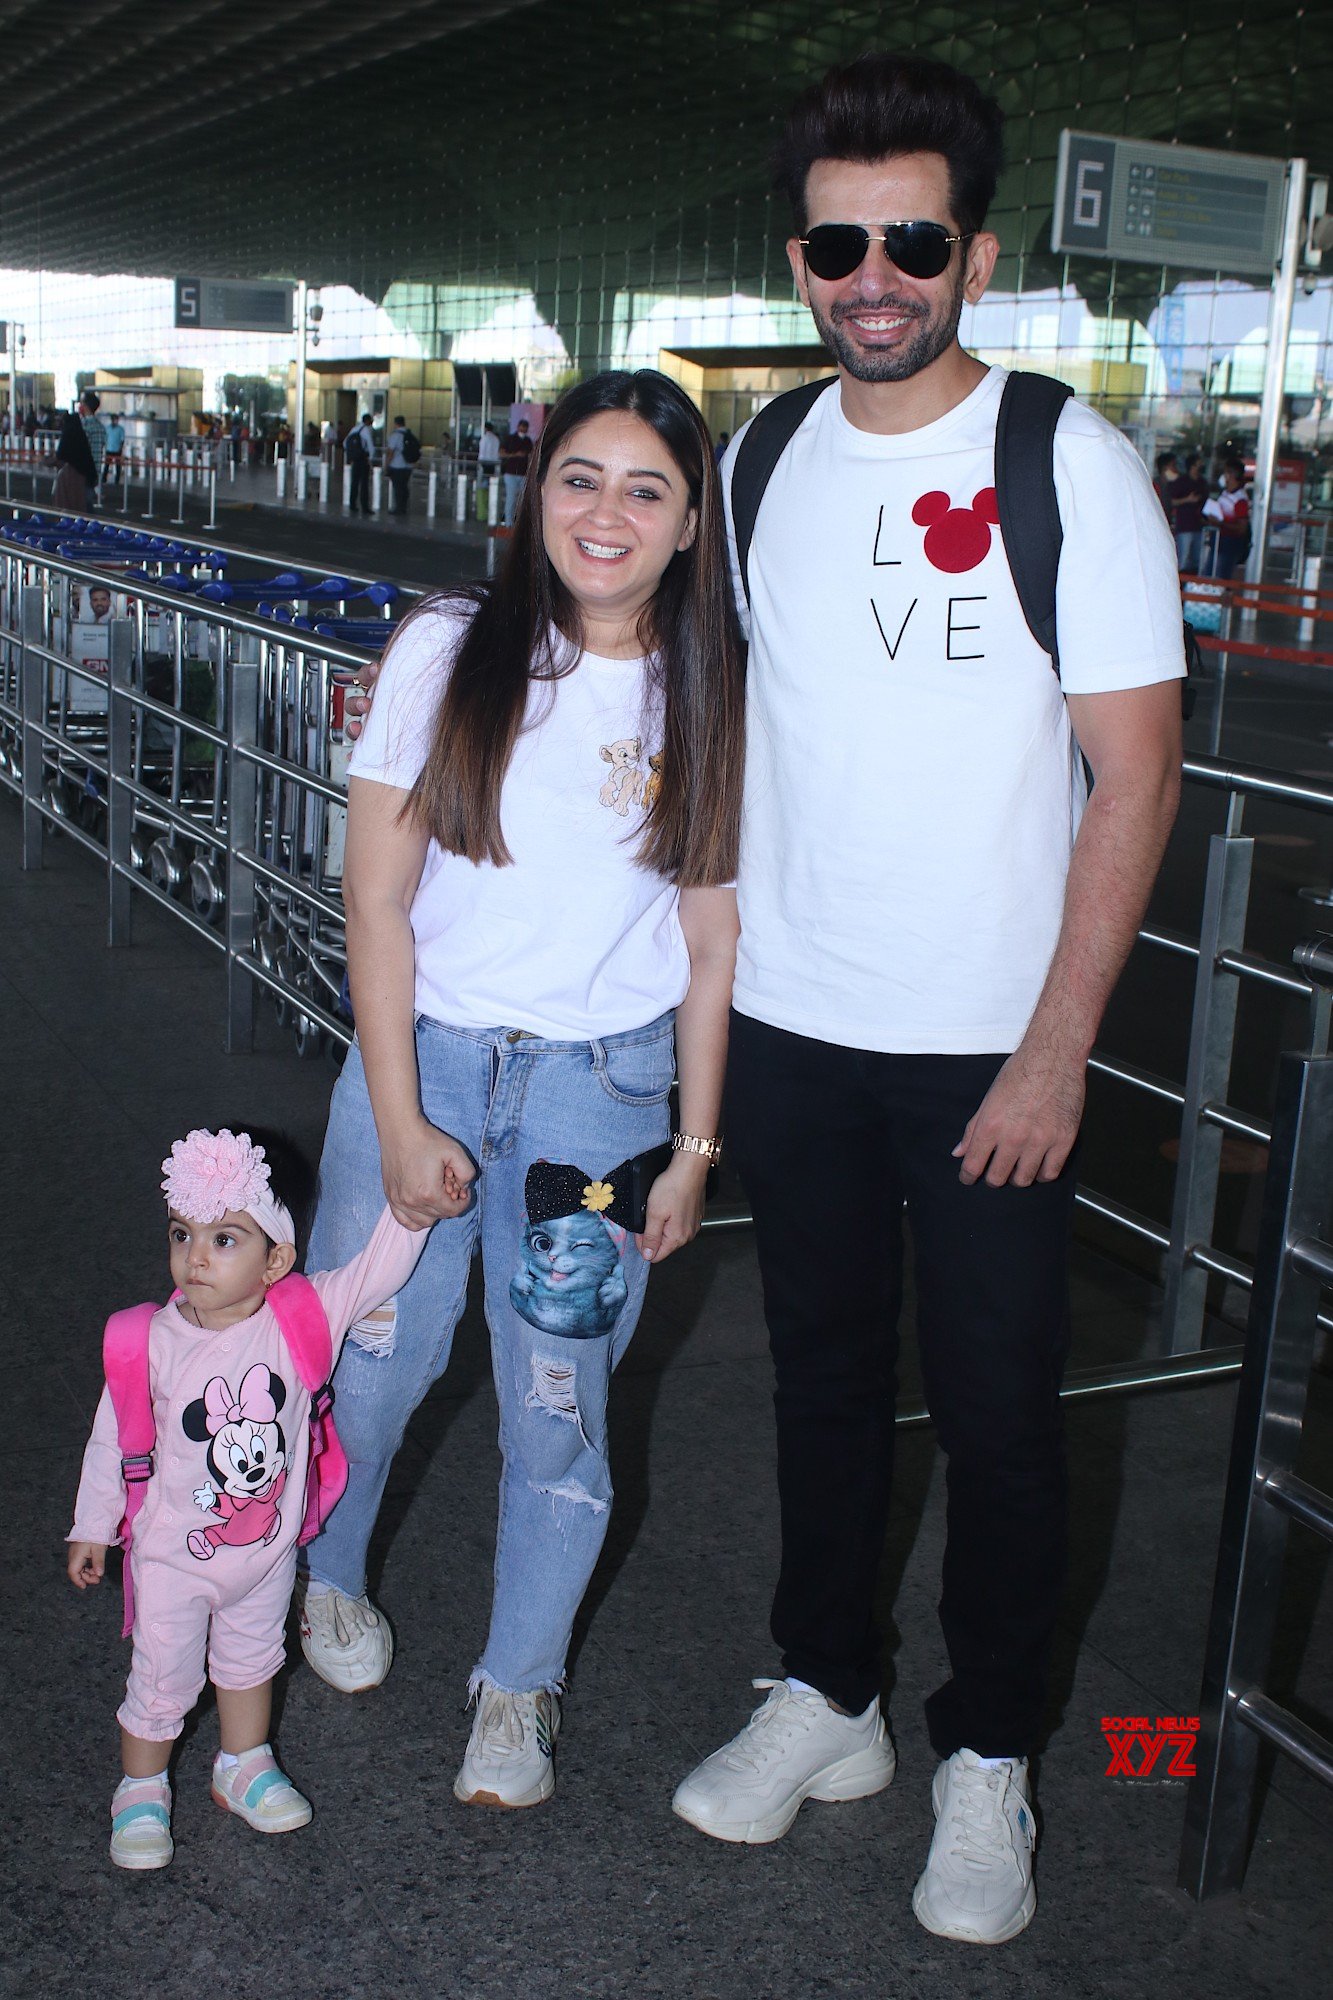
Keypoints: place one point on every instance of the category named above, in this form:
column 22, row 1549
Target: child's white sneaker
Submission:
column 262, row 1795
column 346, row 1641
column 977, row 1882
column 510, row 1758
column 141, row 1823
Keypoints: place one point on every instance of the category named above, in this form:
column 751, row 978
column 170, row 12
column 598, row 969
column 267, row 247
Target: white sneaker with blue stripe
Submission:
column 977, row 1882
column 141, row 1823
column 259, row 1793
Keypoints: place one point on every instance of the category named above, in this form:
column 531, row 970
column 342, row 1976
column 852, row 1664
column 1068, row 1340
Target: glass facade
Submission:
column 577, row 186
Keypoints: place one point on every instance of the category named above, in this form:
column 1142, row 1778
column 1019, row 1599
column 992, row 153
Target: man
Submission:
column 396, row 465
column 95, row 432
column 1187, row 494
column 113, row 464
column 930, row 932
column 514, row 464
column 1231, row 511
column 359, row 451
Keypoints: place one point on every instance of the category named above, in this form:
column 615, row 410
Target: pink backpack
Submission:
column 305, row 1328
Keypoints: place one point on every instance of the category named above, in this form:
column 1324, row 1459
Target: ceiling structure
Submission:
column 574, row 148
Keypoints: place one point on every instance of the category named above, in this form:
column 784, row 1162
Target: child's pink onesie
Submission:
column 214, row 1550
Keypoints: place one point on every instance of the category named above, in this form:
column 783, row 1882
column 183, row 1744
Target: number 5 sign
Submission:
column 188, row 302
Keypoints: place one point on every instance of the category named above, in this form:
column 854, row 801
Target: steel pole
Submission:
column 1275, row 367
column 302, row 334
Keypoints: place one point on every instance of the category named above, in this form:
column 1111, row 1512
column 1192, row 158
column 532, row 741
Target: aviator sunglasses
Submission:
column 917, row 249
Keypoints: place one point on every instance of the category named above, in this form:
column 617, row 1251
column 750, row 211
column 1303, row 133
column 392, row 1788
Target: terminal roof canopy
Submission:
column 506, row 141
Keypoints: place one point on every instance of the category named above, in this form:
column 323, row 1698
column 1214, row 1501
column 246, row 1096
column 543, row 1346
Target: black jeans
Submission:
column 359, row 496
column 830, row 1144
column 400, row 479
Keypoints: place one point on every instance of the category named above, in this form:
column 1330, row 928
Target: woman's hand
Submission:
column 675, row 1207
column 427, row 1176
column 86, row 1564
column 356, row 702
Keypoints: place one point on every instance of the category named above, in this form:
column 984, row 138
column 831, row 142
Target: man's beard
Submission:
column 932, row 335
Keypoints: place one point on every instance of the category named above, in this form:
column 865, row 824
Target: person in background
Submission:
column 396, row 465
column 1231, row 511
column 488, row 454
column 1167, row 472
column 74, row 463
column 95, row 432
column 113, row 465
column 514, row 461
column 724, row 439
column 1187, row 494
column 359, row 453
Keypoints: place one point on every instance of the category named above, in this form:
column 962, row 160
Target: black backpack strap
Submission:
column 1029, row 511
column 771, row 431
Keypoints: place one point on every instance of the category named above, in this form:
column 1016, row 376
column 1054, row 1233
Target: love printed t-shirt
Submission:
column 575, row 938
column 912, row 785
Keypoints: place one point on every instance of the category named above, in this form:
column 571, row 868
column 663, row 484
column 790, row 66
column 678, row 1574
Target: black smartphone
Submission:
column 643, row 1171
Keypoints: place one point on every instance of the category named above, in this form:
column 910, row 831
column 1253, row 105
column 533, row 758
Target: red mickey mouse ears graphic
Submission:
column 957, row 538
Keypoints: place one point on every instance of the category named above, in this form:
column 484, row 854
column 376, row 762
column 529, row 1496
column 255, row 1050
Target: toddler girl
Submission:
column 213, row 1555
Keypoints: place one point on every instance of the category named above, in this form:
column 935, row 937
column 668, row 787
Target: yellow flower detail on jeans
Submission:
column 598, row 1195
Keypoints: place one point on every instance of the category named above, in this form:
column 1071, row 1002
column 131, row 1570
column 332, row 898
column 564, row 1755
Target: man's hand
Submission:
column 1025, row 1127
column 356, row 706
column 86, row 1564
column 428, row 1176
column 675, row 1207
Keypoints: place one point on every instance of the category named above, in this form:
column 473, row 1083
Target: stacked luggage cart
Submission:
column 177, row 709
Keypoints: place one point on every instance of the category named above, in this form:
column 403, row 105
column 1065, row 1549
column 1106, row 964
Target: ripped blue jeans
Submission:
column 564, row 1286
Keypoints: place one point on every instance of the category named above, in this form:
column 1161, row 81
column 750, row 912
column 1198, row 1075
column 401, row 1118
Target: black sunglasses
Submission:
column 918, row 249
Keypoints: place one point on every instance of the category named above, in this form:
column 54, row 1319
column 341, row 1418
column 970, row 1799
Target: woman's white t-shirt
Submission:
column 575, row 938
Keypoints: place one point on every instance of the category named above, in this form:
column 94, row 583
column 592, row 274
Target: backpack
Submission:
column 305, row 1328
column 354, row 447
column 1030, row 526
column 411, row 447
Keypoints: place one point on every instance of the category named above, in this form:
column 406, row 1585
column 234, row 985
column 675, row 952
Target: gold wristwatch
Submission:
column 687, row 1142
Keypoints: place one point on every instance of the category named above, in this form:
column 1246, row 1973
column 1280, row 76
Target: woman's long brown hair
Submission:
column 689, row 634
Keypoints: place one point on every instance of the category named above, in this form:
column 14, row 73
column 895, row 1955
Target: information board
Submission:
column 234, row 305
column 1152, row 204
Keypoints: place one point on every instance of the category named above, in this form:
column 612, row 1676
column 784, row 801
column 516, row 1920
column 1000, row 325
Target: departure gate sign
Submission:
column 1184, row 205
column 234, row 305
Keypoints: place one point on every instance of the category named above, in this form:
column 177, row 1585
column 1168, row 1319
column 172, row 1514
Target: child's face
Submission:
column 224, row 1268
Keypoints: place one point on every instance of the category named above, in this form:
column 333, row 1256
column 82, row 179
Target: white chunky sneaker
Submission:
column 977, row 1882
column 794, row 1747
column 260, row 1793
column 510, row 1758
column 346, row 1641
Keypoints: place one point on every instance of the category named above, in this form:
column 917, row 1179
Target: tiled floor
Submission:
column 397, row 1891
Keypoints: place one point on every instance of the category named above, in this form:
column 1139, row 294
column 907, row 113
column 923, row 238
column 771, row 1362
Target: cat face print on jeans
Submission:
column 569, row 1279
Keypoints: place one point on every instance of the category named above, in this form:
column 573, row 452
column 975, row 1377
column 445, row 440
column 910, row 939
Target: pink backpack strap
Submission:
column 305, row 1328
column 125, row 1364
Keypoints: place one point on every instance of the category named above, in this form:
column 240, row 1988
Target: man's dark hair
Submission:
column 400, row 420
column 879, row 105
column 1164, row 458
column 1236, row 466
column 90, row 399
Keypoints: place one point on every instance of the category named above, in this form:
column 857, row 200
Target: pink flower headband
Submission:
column 212, row 1174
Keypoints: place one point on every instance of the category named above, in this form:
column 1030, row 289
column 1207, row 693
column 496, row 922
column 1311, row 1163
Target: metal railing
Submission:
column 1264, row 1492
column 214, row 786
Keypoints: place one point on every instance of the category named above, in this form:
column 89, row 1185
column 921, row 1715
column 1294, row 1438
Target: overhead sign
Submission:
column 1152, row 204
column 234, row 305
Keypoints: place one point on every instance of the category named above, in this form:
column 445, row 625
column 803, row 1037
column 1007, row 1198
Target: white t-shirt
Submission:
column 912, row 787
column 574, row 939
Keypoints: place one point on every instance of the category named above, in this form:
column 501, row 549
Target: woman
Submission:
column 543, row 815
column 76, row 469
